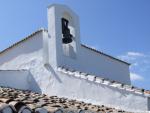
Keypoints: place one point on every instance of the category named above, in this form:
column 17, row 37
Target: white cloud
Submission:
column 135, row 54
column 135, row 64
column 135, row 58
column 140, row 63
column 135, row 77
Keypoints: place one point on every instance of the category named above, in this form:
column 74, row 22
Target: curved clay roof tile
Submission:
column 6, row 108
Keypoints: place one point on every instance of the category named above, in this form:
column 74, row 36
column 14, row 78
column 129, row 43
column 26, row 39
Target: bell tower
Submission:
column 64, row 36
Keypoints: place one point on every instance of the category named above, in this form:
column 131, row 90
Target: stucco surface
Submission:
column 14, row 78
column 20, row 79
column 33, row 43
column 53, row 82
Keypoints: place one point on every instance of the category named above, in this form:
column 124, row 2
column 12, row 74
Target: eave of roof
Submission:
column 42, row 29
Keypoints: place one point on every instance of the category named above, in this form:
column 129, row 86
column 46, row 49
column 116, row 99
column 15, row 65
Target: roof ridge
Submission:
column 104, row 81
column 22, row 40
column 100, row 52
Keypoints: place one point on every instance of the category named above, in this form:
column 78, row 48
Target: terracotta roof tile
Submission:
column 21, row 101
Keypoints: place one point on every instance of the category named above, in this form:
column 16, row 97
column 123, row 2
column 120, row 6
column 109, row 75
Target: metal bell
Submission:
column 67, row 37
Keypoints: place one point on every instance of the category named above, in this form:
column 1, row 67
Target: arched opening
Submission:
column 68, row 36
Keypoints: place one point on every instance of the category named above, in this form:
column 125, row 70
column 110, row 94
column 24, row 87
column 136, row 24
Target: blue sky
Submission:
column 120, row 28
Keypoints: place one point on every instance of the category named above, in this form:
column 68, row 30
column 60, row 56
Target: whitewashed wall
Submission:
column 104, row 66
column 14, row 79
column 28, row 46
column 91, row 92
column 20, row 79
column 21, row 58
column 94, row 63
column 51, row 82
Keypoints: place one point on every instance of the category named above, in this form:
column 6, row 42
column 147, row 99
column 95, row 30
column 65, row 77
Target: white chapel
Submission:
column 55, row 62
